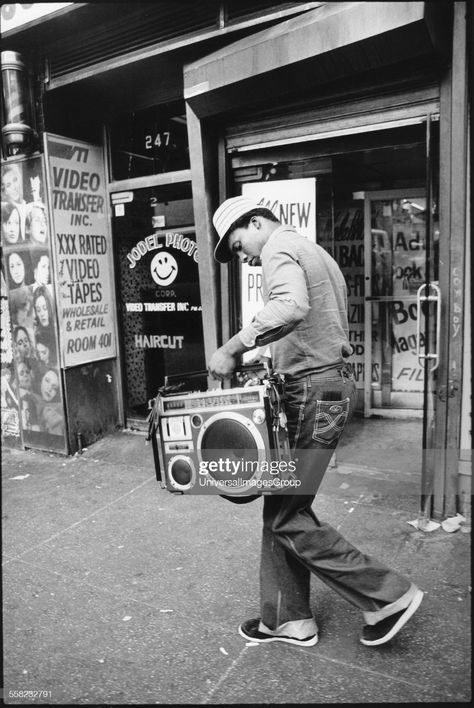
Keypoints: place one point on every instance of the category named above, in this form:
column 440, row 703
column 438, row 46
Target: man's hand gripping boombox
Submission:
column 232, row 442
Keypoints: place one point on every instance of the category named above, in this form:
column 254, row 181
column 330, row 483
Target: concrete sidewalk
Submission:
column 117, row 592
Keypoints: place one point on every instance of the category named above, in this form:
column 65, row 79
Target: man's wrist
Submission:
column 235, row 346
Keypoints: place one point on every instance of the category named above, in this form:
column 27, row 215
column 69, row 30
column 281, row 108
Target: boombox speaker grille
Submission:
column 235, row 436
column 182, row 472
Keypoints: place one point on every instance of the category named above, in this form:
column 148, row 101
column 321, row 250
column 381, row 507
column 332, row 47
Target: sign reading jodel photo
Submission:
column 83, row 251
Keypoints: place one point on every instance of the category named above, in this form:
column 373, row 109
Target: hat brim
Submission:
column 222, row 253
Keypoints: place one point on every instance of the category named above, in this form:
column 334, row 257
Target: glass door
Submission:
column 395, row 270
column 160, row 313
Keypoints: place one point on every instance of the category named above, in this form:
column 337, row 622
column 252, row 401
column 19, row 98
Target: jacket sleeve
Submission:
column 288, row 301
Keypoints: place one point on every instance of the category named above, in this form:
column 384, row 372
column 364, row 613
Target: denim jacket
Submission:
column 305, row 313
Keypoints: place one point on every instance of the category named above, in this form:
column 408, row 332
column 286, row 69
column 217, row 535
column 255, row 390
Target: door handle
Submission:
column 433, row 294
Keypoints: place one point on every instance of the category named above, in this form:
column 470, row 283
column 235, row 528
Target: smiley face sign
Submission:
column 164, row 268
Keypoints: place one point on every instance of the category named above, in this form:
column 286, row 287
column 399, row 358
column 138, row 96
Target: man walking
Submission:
column 304, row 321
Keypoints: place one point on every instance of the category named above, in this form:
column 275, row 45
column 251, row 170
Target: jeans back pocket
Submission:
column 329, row 420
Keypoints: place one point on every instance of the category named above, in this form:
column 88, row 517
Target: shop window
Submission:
column 148, row 142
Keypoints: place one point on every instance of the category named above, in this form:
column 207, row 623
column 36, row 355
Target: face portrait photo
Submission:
column 49, row 386
column 16, row 269
column 37, row 223
column 11, row 224
column 35, row 188
column 25, row 376
column 52, row 420
column 41, row 269
column 21, row 343
column 45, row 349
column 21, row 306
column 12, row 186
column 42, row 310
column 29, row 414
column 42, row 352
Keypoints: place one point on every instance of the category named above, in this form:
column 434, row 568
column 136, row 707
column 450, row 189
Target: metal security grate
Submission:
column 122, row 28
column 131, row 30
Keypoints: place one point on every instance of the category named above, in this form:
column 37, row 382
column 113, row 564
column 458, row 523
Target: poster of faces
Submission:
column 10, row 412
column 27, row 267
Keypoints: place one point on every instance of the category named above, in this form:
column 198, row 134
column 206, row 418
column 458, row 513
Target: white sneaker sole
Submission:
column 403, row 619
column 310, row 642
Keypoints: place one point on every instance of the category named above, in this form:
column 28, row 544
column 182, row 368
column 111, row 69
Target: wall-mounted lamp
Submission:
column 17, row 108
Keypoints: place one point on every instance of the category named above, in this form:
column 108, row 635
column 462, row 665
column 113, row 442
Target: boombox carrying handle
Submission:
column 173, row 383
column 182, row 377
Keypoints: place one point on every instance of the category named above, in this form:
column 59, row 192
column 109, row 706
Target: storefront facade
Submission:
column 349, row 120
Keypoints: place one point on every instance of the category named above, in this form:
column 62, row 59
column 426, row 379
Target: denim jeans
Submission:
column 295, row 543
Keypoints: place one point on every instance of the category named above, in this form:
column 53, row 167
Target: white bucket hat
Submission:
column 228, row 212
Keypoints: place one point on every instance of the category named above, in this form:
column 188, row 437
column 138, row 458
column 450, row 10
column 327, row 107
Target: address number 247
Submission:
column 159, row 140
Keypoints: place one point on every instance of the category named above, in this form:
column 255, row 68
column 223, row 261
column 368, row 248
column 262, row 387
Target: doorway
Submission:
column 160, row 317
column 375, row 209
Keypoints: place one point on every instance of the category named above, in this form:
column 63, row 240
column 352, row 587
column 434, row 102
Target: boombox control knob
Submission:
column 196, row 420
column 258, row 416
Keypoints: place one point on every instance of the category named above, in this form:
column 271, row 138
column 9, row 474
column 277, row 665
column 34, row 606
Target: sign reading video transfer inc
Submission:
column 82, row 250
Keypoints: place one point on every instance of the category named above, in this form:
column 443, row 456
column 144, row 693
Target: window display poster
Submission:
column 293, row 202
column 82, row 250
column 408, row 266
column 348, row 251
column 398, row 248
column 26, row 245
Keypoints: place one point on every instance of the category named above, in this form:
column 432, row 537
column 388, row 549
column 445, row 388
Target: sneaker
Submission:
column 249, row 630
column 386, row 629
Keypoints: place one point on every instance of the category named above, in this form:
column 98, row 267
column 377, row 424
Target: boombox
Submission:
column 232, row 442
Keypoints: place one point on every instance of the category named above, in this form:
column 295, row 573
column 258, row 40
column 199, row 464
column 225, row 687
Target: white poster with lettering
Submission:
column 293, row 202
column 82, row 251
